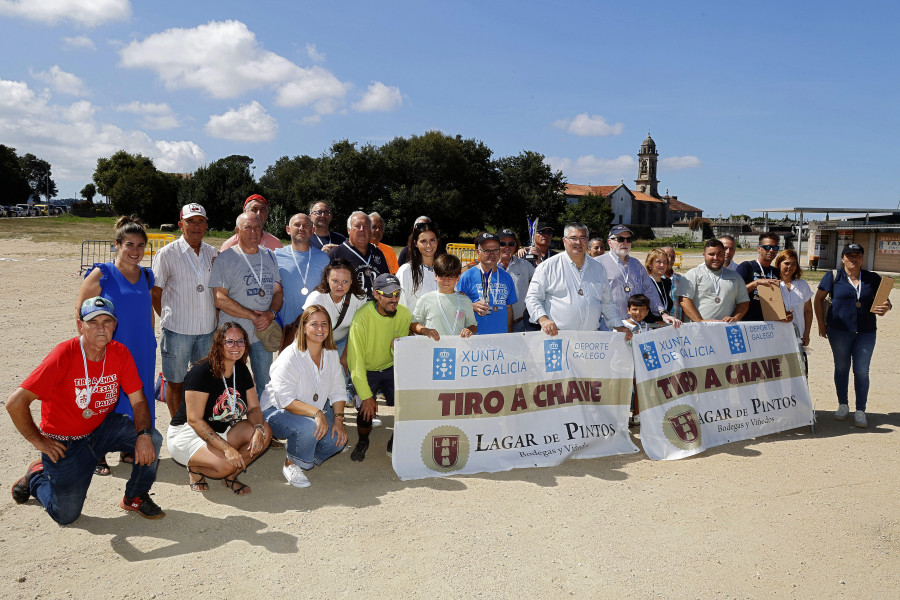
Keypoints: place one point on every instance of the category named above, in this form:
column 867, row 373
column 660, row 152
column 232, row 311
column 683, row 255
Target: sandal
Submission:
column 232, row 484
column 126, row 457
column 200, row 485
column 102, row 468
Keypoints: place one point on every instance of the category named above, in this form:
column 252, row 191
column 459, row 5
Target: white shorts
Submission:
column 183, row 442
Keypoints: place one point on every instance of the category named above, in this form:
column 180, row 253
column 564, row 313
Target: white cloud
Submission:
column 82, row 12
column 593, row 166
column 249, row 123
column 225, row 60
column 62, row 82
column 314, row 55
column 379, row 97
column 585, row 124
column 80, row 42
column 153, row 116
column 673, row 163
column 71, row 139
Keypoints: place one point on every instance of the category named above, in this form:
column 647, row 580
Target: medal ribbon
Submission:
column 297, row 264
column 87, row 377
column 257, row 278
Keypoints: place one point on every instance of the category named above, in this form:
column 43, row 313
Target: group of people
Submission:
column 332, row 307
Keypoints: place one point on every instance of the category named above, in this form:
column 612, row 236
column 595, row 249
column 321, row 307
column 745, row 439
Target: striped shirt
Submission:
column 178, row 270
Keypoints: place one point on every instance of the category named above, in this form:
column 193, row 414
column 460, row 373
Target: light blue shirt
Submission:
column 306, row 273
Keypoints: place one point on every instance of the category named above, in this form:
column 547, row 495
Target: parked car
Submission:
column 5, row 211
column 27, row 210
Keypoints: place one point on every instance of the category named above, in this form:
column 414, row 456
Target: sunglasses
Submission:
column 507, row 244
column 621, row 239
column 233, row 343
column 769, row 247
column 391, row 295
column 545, row 231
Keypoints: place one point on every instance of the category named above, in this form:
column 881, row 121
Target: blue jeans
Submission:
column 178, row 350
column 302, row 446
column 856, row 348
column 62, row 487
column 260, row 362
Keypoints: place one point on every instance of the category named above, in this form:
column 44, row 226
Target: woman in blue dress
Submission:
column 127, row 285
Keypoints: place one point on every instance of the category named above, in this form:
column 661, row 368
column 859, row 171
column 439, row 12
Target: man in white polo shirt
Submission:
column 184, row 301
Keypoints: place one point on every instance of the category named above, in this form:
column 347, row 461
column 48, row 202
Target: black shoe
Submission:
column 144, row 506
column 390, row 447
column 359, row 453
column 21, row 490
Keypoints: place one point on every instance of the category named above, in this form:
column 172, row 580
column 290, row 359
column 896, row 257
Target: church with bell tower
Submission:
column 647, row 157
column 644, row 205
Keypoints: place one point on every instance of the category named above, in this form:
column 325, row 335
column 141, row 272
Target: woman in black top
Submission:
column 219, row 428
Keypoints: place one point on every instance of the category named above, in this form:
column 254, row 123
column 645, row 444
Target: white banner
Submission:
column 708, row 384
column 506, row 401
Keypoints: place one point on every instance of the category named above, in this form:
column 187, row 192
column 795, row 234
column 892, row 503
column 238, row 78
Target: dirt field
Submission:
column 794, row 515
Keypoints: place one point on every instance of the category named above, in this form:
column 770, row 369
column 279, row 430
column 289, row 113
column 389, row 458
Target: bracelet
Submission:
column 339, row 416
column 261, row 429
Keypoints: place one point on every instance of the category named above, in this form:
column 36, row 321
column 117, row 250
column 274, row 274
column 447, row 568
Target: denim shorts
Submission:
column 178, row 350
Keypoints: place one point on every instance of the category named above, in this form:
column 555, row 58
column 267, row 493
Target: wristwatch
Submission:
column 146, row 431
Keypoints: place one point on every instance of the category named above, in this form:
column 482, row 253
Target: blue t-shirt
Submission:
column 502, row 293
column 844, row 314
column 311, row 264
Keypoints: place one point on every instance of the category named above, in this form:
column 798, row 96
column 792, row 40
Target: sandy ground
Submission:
column 794, row 515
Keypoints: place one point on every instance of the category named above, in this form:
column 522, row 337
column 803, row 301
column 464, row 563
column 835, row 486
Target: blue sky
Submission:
column 751, row 106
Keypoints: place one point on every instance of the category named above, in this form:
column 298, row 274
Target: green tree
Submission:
column 88, row 192
column 135, row 187
column 12, row 178
column 221, row 187
column 38, row 174
column 528, row 188
column 592, row 210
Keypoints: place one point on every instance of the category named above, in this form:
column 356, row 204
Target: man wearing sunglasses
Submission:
column 540, row 252
column 370, row 354
column 491, row 289
column 760, row 272
column 628, row 276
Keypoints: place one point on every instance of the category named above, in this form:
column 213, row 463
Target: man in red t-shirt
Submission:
column 78, row 384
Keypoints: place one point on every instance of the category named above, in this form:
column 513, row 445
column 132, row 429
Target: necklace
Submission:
column 661, row 290
column 579, row 277
column 258, row 279
column 88, row 390
column 199, row 271
column 452, row 330
column 625, row 273
column 232, row 398
column 304, row 290
column 318, row 370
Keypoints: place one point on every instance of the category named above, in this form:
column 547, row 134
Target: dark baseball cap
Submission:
column 486, row 236
column 619, row 230
column 539, row 225
column 386, row 283
column 852, row 249
column 507, row 233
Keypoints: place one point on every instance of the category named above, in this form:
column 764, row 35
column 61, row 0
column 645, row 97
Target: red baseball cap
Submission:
column 255, row 197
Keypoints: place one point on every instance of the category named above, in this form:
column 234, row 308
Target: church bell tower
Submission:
column 646, row 181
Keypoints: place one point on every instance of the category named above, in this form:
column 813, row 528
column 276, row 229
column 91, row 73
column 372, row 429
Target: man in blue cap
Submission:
column 78, row 385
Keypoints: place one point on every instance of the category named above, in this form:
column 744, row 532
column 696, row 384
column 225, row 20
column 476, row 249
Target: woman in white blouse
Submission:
column 304, row 401
column 795, row 292
column 417, row 276
column 338, row 289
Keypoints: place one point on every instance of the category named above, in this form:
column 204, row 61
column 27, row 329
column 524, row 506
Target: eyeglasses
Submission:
column 391, row 295
column 545, row 231
column 769, row 247
column 232, row 343
column 321, row 213
column 494, row 251
column 507, row 244
column 621, row 239
column 581, row 239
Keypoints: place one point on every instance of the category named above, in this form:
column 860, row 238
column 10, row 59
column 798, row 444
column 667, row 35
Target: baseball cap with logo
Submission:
column 485, row 236
column 540, row 226
column 619, row 230
column 852, row 249
column 386, row 283
column 96, row 306
column 192, row 210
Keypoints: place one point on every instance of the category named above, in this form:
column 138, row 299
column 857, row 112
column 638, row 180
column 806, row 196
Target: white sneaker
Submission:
column 295, row 476
column 859, row 419
column 376, row 422
column 841, row 413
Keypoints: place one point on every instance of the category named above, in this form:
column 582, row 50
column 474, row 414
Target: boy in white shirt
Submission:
column 445, row 311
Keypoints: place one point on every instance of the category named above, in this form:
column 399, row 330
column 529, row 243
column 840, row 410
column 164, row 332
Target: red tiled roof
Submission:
column 645, row 197
column 584, row 190
column 683, row 206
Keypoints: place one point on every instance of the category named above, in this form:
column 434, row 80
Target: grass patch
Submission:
column 69, row 229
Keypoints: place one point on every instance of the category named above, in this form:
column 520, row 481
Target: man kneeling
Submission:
column 78, row 425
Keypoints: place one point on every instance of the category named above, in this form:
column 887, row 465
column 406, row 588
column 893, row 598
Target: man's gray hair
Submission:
column 422, row 219
column 579, row 226
column 375, row 215
column 361, row 214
